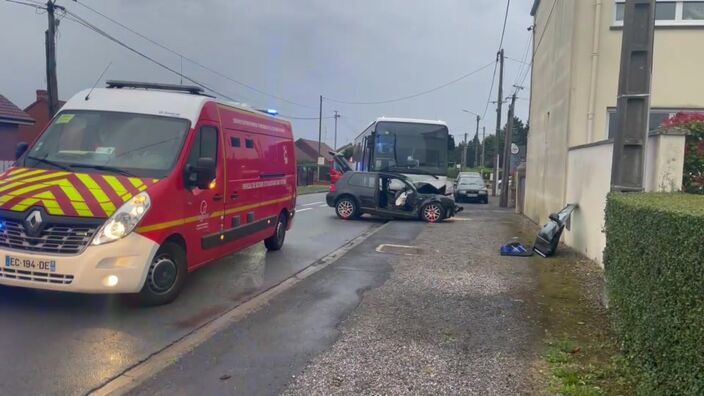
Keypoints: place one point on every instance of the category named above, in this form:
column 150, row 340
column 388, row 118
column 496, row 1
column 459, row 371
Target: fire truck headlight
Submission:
column 124, row 220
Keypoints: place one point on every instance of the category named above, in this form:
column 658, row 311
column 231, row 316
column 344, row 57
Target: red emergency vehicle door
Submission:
column 206, row 205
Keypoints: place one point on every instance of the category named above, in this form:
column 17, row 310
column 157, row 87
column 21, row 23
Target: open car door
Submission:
column 339, row 167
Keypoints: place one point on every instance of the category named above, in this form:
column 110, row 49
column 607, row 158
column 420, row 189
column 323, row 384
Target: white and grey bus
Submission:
column 416, row 148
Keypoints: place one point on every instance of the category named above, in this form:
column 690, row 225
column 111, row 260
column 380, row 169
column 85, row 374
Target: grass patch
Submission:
column 312, row 189
column 582, row 356
column 588, row 368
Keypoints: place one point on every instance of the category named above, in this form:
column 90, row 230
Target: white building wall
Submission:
column 589, row 182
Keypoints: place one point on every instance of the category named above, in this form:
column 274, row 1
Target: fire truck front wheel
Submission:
column 166, row 276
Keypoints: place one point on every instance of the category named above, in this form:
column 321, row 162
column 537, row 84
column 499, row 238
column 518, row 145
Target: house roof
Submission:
column 11, row 114
column 302, row 157
column 310, row 148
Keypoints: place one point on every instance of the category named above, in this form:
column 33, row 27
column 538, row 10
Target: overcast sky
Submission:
column 361, row 50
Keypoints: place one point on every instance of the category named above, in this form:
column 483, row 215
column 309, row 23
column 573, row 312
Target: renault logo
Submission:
column 33, row 222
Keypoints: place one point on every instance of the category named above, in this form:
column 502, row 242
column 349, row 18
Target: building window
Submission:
column 657, row 117
column 669, row 13
column 693, row 11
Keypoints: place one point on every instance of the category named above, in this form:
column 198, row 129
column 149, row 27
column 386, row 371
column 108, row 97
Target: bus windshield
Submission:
column 411, row 148
column 109, row 142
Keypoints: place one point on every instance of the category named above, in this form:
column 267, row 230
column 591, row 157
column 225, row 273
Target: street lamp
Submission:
column 476, row 149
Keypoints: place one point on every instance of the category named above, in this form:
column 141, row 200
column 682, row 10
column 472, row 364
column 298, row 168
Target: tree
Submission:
column 519, row 137
column 348, row 153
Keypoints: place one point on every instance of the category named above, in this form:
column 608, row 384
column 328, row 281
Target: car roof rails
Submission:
column 191, row 89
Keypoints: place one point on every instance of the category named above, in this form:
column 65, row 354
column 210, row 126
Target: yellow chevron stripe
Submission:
column 21, row 191
column 24, row 174
column 21, row 182
column 44, row 177
column 116, row 185
column 24, row 204
column 98, row 193
column 52, row 207
column 17, row 171
column 188, row 220
column 137, row 183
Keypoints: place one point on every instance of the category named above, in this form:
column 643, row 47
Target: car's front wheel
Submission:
column 432, row 212
column 166, row 276
column 346, row 208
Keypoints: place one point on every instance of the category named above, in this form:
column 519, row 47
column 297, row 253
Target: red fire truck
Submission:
column 133, row 186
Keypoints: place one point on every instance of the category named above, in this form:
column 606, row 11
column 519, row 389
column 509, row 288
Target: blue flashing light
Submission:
column 273, row 112
column 2, row 225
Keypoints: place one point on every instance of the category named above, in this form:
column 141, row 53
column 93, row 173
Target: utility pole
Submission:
column 633, row 100
column 320, row 136
column 499, row 104
column 337, row 115
column 483, row 140
column 464, row 153
column 52, row 88
column 507, row 154
column 476, row 147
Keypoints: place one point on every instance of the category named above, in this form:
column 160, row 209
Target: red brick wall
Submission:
column 38, row 110
column 8, row 137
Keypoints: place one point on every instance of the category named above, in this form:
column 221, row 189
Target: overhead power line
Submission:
column 525, row 66
column 402, row 98
column 26, row 3
column 78, row 19
column 539, row 42
column 195, row 62
column 503, row 30
column 496, row 64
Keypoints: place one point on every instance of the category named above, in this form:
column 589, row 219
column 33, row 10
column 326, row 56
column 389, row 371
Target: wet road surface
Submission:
column 65, row 344
column 262, row 353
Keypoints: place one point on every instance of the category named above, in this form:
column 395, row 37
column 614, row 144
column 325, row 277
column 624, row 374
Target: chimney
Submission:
column 42, row 95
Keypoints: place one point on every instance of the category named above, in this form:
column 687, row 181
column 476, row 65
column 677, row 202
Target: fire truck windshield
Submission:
column 109, row 142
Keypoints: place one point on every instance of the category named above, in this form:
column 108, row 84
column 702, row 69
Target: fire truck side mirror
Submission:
column 21, row 149
column 202, row 174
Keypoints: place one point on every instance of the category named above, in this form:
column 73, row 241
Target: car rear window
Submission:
column 362, row 180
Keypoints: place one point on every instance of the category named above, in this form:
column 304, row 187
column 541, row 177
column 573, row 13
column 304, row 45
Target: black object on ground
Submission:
column 549, row 236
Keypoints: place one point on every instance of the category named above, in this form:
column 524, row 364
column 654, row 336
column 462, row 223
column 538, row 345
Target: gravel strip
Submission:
column 451, row 320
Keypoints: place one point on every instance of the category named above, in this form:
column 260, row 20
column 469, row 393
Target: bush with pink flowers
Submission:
column 693, row 179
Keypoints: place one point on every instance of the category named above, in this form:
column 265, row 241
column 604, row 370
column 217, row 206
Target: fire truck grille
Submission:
column 55, row 238
column 39, row 277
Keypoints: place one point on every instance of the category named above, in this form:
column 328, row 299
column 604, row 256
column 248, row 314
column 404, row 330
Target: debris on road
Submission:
column 549, row 236
column 516, row 249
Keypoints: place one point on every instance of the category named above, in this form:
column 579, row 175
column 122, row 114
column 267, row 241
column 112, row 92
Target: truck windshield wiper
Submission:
column 49, row 162
column 106, row 168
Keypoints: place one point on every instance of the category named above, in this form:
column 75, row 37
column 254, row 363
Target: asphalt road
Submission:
column 68, row 344
column 266, row 350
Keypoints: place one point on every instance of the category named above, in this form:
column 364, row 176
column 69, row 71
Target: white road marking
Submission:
column 313, row 204
column 303, row 210
column 136, row 375
column 324, row 205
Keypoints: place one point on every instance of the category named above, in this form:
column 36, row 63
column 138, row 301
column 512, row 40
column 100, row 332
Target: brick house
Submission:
column 307, row 151
column 39, row 111
column 11, row 119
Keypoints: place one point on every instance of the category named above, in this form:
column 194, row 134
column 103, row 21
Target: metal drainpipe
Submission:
column 595, row 64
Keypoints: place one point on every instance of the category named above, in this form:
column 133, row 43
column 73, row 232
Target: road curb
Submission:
column 135, row 375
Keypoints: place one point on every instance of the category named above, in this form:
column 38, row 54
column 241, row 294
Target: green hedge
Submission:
column 654, row 261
